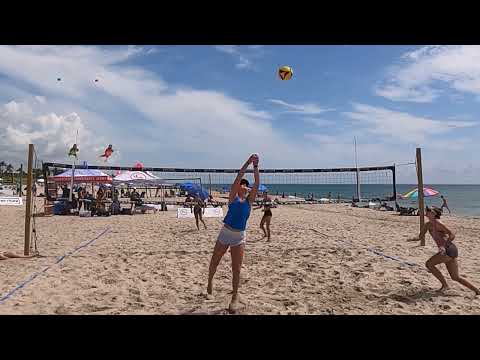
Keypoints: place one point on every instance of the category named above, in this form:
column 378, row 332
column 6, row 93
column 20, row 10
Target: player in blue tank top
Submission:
column 233, row 232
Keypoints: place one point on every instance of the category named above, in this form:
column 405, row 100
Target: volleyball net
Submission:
column 347, row 183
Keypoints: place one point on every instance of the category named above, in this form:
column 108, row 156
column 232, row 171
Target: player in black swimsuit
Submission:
column 267, row 215
column 198, row 211
column 447, row 251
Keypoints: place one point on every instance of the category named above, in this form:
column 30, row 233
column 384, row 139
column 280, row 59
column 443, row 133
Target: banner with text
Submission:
column 11, row 200
column 184, row 213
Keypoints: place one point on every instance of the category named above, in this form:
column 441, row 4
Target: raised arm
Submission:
column 236, row 183
column 256, row 173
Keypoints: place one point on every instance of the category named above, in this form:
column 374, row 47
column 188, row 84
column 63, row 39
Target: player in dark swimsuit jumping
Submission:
column 447, row 253
column 267, row 215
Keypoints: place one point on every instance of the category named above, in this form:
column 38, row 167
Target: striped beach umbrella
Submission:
column 413, row 194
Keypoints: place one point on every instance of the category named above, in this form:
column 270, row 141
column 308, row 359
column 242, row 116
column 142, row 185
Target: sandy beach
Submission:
column 321, row 261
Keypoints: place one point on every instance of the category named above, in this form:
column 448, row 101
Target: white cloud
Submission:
column 229, row 49
column 399, row 93
column 441, row 164
column 244, row 55
column 41, row 99
column 51, row 133
column 181, row 126
column 401, row 126
column 305, row 109
column 319, row 122
column 420, row 73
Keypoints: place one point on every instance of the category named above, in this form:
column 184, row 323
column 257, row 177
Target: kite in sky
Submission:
column 108, row 152
column 73, row 151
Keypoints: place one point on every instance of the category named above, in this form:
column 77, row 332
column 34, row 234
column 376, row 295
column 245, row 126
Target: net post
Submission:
column 21, row 178
column 421, row 203
column 394, row 170
column 28, row 210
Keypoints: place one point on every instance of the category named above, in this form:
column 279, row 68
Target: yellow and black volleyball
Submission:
column 285, row 72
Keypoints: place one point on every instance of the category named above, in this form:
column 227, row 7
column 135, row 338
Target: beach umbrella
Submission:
column 195, row 190
column 262, row 188
column 186, row 186
column 199, row 192
column 413, row 194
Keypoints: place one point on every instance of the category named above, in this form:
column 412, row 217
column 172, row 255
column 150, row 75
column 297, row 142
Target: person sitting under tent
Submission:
column 88, row 200
column 74, row 202
column 115, row 208
column 137, row 202
column 82, row 194
column 100, row 202
column 65, row 192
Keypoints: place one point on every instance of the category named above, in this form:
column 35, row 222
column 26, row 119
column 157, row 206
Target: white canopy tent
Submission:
column 143, row 179
column 139, row 178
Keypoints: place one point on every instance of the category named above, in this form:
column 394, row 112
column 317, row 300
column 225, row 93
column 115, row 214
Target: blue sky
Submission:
column 213, row 105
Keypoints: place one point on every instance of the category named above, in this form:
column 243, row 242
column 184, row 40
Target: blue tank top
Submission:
column 238, row 214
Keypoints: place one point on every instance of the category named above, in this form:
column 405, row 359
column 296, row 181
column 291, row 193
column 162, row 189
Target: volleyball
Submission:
column 285, row 72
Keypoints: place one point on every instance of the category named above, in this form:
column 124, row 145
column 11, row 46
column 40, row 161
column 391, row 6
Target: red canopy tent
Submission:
column 82, row 176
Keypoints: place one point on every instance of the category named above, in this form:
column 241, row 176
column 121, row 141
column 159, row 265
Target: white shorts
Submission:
column 229, row 237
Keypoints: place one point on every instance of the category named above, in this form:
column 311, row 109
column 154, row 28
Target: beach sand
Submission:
column 318, row 262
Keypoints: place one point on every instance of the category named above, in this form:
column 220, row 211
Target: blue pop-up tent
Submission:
column 194, row 190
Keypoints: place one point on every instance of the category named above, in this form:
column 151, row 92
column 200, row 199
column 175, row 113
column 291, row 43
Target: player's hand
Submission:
column 256, row 159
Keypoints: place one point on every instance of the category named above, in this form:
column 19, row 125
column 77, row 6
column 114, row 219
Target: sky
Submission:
column 212, row 106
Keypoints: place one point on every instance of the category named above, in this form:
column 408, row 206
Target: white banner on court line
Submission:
column 184, row 213
column 11, row 200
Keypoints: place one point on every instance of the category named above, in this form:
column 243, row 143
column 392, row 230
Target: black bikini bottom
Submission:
column 451, row 250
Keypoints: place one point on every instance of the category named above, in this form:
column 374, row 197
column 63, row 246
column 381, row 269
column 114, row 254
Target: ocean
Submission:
column 462, row 200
